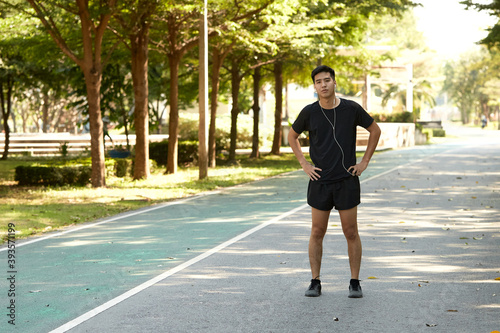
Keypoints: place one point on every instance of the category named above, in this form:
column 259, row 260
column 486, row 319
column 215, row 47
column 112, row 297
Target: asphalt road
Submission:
column 235, row 260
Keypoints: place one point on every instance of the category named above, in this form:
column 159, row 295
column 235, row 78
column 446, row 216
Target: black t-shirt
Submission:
column 324, row 150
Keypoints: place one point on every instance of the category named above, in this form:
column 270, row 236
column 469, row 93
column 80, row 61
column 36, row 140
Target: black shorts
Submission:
column 344, row 194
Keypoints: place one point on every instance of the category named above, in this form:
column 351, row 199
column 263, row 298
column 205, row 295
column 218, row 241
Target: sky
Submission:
column 449, row 28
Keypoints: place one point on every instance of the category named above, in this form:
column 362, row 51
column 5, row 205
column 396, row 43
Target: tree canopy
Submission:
column 131, row 60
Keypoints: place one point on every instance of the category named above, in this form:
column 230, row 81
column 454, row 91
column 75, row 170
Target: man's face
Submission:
column 324, row 84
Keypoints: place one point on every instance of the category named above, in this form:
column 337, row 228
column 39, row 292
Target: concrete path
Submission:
column 236, row 260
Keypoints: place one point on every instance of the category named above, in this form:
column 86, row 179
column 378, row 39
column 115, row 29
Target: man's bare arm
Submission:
column 375, row 132
column 309, row 169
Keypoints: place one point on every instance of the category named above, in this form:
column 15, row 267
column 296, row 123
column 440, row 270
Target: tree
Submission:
column 6, row 87
column 463, row 81
column 29, row 73
column 256, row 113
column 220, row 50
column 181, row 21
column 58, row 18
column 492, row 40
column 175, row 35
column 278, row 113
column 134, row 18
column 422, row 94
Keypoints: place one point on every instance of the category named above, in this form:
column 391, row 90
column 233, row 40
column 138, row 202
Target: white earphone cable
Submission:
column 334, row 137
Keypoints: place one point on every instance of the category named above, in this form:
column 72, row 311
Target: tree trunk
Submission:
column 235, row 89
column 6, row 109
column 217, row 61
column 256, row 113
column 13, row 118
column 214, row 78
column 93, row 78
column 139, row 50
column 278, row 114
column 45, row 111
column 173, row 126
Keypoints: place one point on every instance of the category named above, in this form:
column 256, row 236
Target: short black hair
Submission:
column 321, row 69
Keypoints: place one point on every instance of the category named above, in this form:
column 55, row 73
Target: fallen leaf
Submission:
column 452, row 310
column 464, row 237
column 474, row 197
column 477, row 238
column 374, row 278
column 497, row 279
column 450, row 199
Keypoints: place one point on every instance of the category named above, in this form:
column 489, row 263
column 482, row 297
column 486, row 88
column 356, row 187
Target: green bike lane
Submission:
column 62, row 276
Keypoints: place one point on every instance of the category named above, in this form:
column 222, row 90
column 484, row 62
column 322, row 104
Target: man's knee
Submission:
column 351, row 234
column 318, row 233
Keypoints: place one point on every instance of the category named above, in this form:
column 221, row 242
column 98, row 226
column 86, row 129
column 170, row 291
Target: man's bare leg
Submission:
column 349, row 220
column 318, row 231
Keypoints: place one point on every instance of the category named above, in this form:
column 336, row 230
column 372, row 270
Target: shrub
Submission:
column 438, row 132
column 399, row 117
column 64, row 149
column 158, row 152
column 52, row 176
column 122, row 167
column 188, row 152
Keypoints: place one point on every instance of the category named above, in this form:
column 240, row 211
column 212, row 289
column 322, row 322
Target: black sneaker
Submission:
column 355, row 289
column 314, row 288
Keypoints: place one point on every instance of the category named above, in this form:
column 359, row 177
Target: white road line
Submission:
column 92, row 313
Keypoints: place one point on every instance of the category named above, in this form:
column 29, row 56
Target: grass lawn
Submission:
column 35, row 210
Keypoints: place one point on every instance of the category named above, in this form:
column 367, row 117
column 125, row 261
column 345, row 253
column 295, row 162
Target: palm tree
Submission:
column 422, row 94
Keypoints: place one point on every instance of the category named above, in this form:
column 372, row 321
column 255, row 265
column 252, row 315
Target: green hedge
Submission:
column 438, row 132
column 188, row 152
column 400, row 117
column 53, row 176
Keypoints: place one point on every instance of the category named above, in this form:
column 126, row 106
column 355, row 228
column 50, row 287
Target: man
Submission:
column 334, row 183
